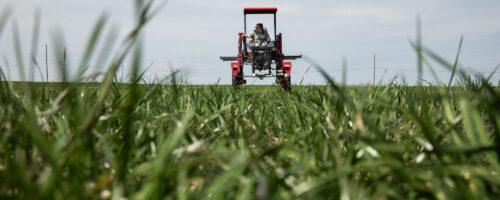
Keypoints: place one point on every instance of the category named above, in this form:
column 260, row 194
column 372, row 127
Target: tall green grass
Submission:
column 170, row 141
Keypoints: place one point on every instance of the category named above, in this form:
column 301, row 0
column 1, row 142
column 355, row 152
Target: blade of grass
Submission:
column 18, row 51
column 4, row 17
column 91, row 45
column 419, row 47
column 151, row 189
column 456, row 61
column 34, row 43
column 108, row 80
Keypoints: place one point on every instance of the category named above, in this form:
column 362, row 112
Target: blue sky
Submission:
column 191, row 35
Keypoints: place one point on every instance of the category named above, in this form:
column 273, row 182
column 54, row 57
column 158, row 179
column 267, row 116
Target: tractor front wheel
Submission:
column 235, row 82
column 285, row 83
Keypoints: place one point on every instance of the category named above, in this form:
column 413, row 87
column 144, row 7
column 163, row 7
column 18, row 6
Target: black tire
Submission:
column 235, row 82
column 286, row 84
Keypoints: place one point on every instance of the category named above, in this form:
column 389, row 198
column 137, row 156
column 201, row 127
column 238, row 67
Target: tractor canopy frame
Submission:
column 259, row 11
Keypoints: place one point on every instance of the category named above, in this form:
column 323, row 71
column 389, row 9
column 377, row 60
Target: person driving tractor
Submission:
column 263, row 54
column 260, row 35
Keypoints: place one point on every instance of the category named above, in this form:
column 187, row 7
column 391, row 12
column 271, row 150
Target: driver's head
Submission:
column 259, row 27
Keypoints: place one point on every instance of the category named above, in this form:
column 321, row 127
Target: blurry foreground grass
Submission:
column 257, row 142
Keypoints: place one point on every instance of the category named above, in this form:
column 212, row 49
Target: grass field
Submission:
column 165, row 140
column 182, row 142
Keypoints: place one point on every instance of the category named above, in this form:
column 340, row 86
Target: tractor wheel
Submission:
column 288, row 84
column 285, row 84
column 236, row 82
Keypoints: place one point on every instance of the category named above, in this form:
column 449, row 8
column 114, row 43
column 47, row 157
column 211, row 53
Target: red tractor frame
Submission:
column 261, row 58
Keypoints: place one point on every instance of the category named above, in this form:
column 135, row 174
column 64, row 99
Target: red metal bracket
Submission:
column 288, row 67
column 235, row 67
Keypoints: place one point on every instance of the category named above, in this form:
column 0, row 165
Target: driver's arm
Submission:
column 268, row 38
column 244, row 34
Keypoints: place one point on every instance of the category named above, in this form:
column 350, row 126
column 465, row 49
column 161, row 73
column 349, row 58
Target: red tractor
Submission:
column 265, row 59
